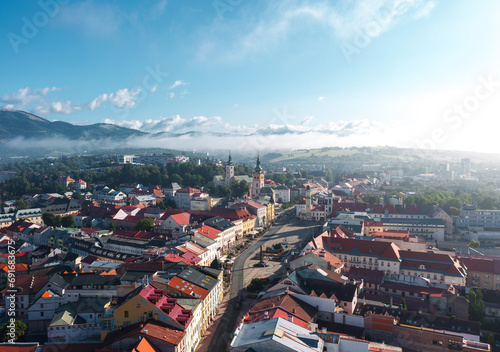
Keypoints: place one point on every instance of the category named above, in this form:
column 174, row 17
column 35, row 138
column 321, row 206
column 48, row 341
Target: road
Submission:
column 287, row 227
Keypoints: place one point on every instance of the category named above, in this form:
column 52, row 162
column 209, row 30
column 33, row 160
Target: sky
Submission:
column 275, row 74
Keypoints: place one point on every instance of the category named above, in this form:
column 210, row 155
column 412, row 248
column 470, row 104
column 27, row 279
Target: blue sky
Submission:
column 307, row 73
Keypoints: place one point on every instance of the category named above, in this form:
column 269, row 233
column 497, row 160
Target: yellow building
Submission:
column 372, row 226
column 152, row 303
column 258, row 179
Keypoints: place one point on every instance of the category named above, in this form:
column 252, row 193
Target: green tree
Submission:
column 68, row 220
column 112, row 227
column 146, row 224
column 22, row 204
column 474, row 244
column 20, row 329
column 51, row 219
column 476, row 305
column 403, row 304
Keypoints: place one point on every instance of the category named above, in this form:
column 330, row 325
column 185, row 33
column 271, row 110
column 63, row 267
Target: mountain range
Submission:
column 17, row 123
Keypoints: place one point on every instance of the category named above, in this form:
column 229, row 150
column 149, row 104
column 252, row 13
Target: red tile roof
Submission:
column 181, row 219
column 289, row 303
column 386, row 250
column 209, row 232
column 189, row 190
column 25, row 347
column 273, row 313
column 479, row 264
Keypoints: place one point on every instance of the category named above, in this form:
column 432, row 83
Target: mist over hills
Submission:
column 25, row 134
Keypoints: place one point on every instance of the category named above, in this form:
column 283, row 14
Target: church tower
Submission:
column 229, row 172
column 308, row 203
column 258, row 179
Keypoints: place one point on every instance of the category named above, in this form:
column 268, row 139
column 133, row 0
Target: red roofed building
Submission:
column 80, row 185
column 382, row 256
column 150, row 336
column 183, row 288
column 296, row 310
column 174, row 222
column 482, row 272
column 436, row 267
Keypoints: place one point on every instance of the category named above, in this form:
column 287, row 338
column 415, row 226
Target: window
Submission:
column 41, row 314
column 125, row 314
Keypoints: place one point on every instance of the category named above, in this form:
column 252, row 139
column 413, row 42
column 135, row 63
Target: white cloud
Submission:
column 21, row 99
column 154, row 89
column 56, row 107
column 34, row 100
column 321, row 98
column 343, row 19
column 175, row 124
column 171, row 95
column 177, row 84
column 121, row 99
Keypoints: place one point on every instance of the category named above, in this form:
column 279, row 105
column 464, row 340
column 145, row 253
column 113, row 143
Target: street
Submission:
column 243, row 272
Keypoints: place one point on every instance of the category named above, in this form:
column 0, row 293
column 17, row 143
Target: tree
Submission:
column 20, row 329
column 476, row 305
column 77, row 195
column 68, row 220
column 51, row 219
column 22, row 204
column 146, row 224
column 112, row 227
column 474, row 244
column 403, row 304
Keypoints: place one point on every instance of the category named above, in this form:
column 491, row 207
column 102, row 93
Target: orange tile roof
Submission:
column 145, row 346
column 18, row 267
column 182, row 285
column 209, row 232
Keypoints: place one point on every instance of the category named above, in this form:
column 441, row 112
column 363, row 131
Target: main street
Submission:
column 289, row 231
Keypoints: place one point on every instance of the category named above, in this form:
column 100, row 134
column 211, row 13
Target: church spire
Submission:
column 229, row 162
column 258, row 168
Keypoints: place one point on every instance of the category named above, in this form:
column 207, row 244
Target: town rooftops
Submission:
column 188, row 288
column 289, row 303
column 384, row 250
column 263, row 335
column 152, row 330
column 209, row 231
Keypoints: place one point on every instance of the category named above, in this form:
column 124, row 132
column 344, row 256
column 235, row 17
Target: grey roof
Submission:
column 219, row 223
column 94, row 279
column 198, row 278
column 189, row 303
column 277, row 335
column 136, row 275
column 68, row 314
column 202, row 241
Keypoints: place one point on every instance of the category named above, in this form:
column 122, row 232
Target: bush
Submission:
column 256, row 285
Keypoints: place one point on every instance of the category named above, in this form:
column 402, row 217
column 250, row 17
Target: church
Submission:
column 255, row 183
